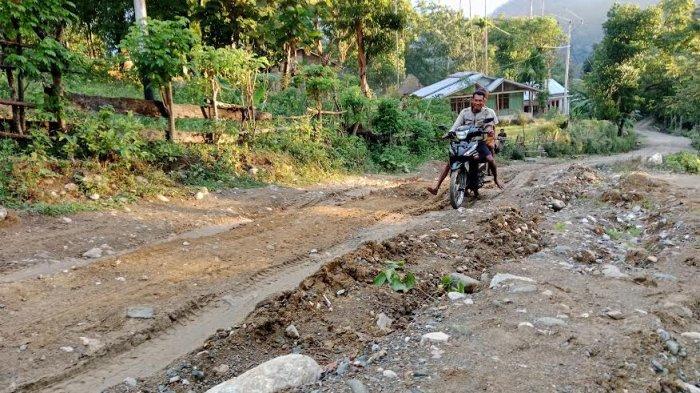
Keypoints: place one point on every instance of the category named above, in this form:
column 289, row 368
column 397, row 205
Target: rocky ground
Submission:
column 578, row 278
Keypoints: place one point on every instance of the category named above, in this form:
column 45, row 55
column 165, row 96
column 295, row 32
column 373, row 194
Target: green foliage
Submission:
column 685, row 162
column 318, row 82
column 395, row 275
column 160, row 49
column 356, row 106
column 288, row 102
column 590, row 137
column 450, row 285
column 104, row 136
column 560, row 226
column 613, row 233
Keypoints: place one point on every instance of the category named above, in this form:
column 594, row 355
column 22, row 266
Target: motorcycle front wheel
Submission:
column 458, row 187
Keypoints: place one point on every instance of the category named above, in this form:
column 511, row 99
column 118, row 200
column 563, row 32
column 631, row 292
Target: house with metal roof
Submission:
column 506, row 97
column 555, row 98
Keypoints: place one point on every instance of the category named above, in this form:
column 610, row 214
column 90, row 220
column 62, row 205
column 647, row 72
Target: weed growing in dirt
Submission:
column 560, row 226
column 399, row 282
column 450, row 285
column 613, row 233
column 633, row 231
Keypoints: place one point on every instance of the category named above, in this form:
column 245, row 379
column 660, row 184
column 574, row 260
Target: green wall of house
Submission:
column 515, row 104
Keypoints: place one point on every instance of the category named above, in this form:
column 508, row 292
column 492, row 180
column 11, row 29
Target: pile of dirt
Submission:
column 575, row 181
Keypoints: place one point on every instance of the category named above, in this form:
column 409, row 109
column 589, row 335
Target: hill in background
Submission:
column 583, row 37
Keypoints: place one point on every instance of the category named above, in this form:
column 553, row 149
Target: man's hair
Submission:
column 480, row 92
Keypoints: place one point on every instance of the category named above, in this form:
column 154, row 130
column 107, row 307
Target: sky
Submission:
column 477, row 5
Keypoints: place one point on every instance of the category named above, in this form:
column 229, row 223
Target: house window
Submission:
column 503, row 101
column 459, row 103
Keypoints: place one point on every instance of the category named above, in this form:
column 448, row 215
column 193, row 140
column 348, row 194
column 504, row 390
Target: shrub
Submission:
column 683, row 162
column 289, row 102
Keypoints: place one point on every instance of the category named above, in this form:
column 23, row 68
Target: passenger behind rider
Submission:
column 476, row 114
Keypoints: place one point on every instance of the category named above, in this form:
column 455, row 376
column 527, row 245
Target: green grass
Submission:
column 560, row 226
column 59, row 209
column 633, row 231
column 613, row 233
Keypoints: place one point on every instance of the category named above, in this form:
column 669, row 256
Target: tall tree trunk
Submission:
column 15, row 124
column 362, row 58
column 286, row 70
column 168, row 100
column 20, row 78
column 621, row 126
column 214, row 99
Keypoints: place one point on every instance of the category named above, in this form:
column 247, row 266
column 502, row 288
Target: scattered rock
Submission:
column 652, row 259
column 664, row 276
column 523, row 325
column 613, row 271
column 94, row 196
column 454, row 296
column 66, row 220
column 67, row 349
column 615, row 314
column 657, row 366
column 198, row 374
column 470, row 284
column 71, row 187
column 673, row 347
column 174, row 379
column 557, row 204
column 221, row 369
column 199, row 196
column 384, row 322
column 92, row 344
column 523, row 289
column 549, row 322
column 253, row 171
column 435, row 337
column 95, row 252
column 389, row 374
column 162, row 198
column 687, row 388
column 585, row 256
column 283, row 372
column 141, row 180
column 130, row 381
column 292, row 331
column 3, row 213
column 356, row 386
column 140, row 312
column 691, row 335
column 656, row 159
column 504, row 277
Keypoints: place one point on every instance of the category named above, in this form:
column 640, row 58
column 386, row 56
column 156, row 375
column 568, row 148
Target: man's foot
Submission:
column 432, row 190
column 495, row 180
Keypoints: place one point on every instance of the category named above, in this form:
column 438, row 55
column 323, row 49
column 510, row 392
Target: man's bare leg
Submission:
column 443, row 175
column 492, row 167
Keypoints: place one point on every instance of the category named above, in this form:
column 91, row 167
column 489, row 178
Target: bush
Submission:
column 289, row 102
column 683, row 162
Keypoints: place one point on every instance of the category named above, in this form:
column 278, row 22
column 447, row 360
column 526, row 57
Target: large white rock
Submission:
column 283, row 372
column 500, row 278
column 613, row 271
column 656, row 159
column 3, row 213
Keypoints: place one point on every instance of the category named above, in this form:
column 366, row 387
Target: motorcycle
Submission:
column 463, row 150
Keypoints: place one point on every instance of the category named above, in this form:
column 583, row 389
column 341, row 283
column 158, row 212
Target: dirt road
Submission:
column 199, row 266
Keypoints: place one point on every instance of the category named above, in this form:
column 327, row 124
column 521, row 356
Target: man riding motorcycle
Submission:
column 477, row 114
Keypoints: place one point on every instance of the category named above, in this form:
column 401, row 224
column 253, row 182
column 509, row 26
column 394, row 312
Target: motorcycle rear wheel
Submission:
column 458, row 187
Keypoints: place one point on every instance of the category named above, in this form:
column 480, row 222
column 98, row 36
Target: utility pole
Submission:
column 140, row 16
column 398, row 66
column 470, row 9
column 486, row 42
column 566, row 72
column 542, row 7
column 530, row 9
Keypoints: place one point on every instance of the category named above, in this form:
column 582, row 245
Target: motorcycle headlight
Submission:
column 461, row 135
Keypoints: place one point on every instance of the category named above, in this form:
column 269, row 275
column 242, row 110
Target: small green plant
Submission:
column 560, row 226
column 633, row 231
column 451, row 285
column 613, row 233
column 399, row 282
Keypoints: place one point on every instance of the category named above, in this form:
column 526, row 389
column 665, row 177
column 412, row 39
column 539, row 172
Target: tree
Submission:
column 372, row 23
column 293, row 26
column 319, row 81
column 444, row 42
column 32, row 43
column 160, row 51
column 614, row 81
column 234, row 22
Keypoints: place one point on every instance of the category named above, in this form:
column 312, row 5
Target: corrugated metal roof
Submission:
column 460, row 81
column 554, row 88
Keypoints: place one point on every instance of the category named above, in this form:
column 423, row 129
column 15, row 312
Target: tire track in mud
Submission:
column 227, row 306
column 209, row 310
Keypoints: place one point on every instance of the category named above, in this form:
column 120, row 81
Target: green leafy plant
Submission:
column 683, row 162
column 560, row 226
column 395, row 275
column 613, row 233
column 451, row 285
